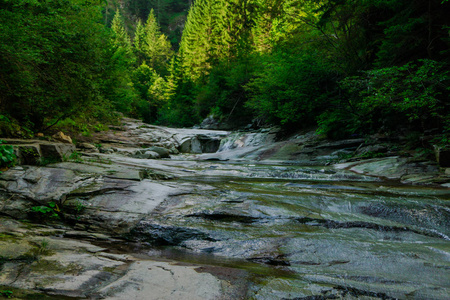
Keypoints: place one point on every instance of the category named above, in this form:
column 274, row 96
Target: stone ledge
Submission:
column 34, row 152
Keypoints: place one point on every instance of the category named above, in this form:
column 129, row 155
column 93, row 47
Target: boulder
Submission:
column 158, row 280
column 28, row 154
column 196, row 146
column 209, row 144
column 163, row 152
column 33, row 152
column 42, row 262
column 210, row 123
column 57, row 151
column 152, row 155
column 87, row 147
column 61, row 137
column 200, row 144
column 146, row 155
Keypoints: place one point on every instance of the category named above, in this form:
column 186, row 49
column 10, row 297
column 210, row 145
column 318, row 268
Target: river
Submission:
column 271, row 230
column 315, row 231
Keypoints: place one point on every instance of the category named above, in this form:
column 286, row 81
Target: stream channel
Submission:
column 305, row 231
column 271, row 230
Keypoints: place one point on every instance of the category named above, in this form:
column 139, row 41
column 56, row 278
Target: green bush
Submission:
column 51, row 211
column 414, row 96
column 6, row 293
column 7, row 156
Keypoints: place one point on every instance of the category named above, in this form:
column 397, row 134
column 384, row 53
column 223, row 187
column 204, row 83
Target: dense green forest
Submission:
column 348, row 67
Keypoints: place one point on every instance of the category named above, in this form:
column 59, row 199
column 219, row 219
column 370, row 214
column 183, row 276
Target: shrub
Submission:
column 7, row 156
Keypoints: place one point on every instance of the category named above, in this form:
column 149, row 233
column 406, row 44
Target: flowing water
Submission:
column 312, row 232
column 269, row 230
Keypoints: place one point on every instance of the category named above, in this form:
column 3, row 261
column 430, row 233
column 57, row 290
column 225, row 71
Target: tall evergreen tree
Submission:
column 122, row 59
column 151, row 46
column 215, row 31
column 121, row 38
column 195, row 46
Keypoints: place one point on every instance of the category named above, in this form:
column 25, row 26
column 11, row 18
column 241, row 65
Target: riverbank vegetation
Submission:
column 348, row 67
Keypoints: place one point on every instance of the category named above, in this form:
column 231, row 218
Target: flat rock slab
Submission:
column 64, row 267
column 89, row 194
column 390, row 167
column 162, row 280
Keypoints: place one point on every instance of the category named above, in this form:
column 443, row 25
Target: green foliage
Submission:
column 46, row 70
column 215, row 32
column 442, row 140
column 170, row 15
column 58, row 61
column 118, row 85
column 151, row 88
column 180, row 110
column 121, row 39
column 415, row 93
column 413, row 30
column 224, row 95
column 51, row 211
column 76, row 157
column 6, row 293
column 338, row 123
column 151, row 46
column 80, row 207
column 291, row 88
column 41, row 249
column 10, row 127
column 7, row 156
column 349, row 66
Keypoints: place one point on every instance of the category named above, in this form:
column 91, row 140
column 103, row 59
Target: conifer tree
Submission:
column 121, row 38
column 195, row 44
column 172, row 78
column 212, row 34
column 150, row 45
column 139, row 43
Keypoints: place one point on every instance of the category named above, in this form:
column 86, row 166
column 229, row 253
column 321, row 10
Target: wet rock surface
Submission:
column 51, row 265
column 261, row 225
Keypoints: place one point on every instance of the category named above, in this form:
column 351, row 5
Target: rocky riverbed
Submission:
column 147, row 212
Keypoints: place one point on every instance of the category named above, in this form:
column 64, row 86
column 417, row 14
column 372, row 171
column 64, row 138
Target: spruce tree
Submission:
column 121, row 38
column 212, row 34
column 139, row 43
column 151, row 46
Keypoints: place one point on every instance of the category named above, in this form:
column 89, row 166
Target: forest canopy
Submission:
column 345, row 66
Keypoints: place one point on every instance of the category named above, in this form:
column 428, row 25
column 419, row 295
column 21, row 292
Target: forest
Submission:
column 345, row 67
